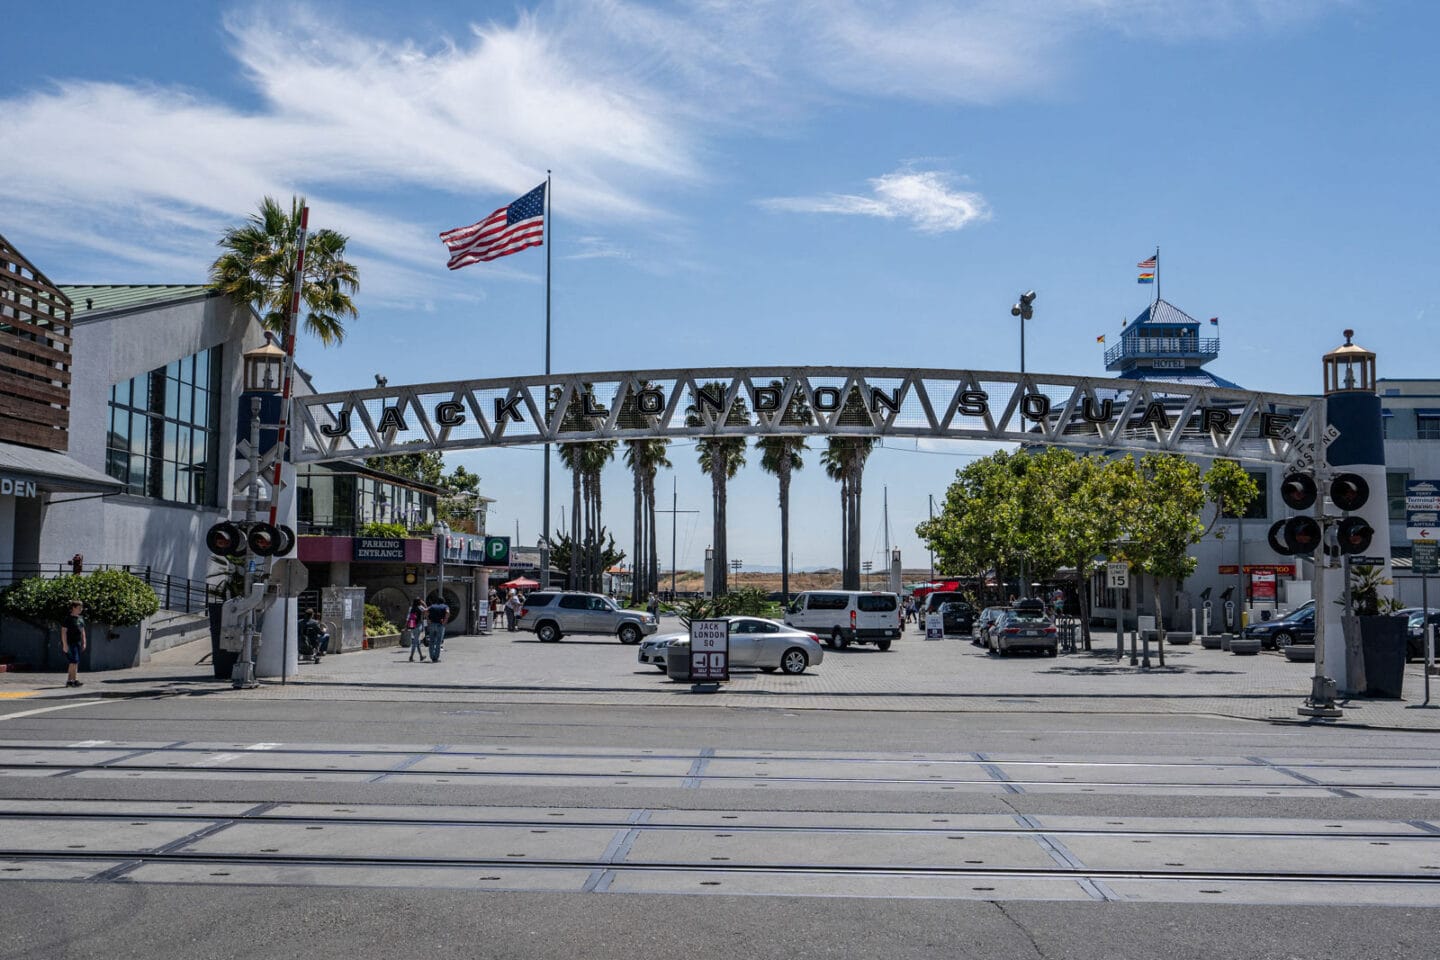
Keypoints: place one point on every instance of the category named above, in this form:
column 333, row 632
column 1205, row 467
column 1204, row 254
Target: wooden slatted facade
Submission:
column 35, row 325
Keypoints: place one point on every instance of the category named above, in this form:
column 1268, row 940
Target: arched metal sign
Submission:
column 1083, row 412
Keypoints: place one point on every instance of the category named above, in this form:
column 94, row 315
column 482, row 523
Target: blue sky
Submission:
column 812, row 182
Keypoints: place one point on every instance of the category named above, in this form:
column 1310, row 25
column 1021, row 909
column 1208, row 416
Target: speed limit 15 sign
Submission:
column 1117, row 576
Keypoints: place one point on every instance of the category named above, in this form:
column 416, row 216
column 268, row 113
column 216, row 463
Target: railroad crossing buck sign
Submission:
column 1080, row 412
column 709, row 650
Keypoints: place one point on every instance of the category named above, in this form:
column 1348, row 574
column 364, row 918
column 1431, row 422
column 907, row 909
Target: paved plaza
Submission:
column 948, row 675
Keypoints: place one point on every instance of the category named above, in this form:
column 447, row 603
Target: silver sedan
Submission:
column 754, row 642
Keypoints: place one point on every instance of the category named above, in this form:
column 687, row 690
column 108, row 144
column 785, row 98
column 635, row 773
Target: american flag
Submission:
column 508, row 230
column 1146, row 264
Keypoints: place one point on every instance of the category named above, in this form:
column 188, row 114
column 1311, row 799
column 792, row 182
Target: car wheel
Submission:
column 662, row 668
column 629, row 634
column 794, row 661
column 547, row 632
column 1283, row 639
column 837, row 640
column 1052, row 652
column 883, row 645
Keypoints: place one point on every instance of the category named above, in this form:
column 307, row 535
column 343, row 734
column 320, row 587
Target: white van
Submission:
column 843, row 617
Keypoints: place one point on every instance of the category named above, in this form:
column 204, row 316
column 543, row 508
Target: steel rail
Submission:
column 680, row 866
column 712, row 777
column 402, row 751
column 956, row 830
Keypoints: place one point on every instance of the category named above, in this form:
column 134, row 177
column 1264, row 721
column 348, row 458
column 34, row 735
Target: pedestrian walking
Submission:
column 415, row 629
column 512, row 610
column 72, row 642
column 653, row 606
column 436, row 616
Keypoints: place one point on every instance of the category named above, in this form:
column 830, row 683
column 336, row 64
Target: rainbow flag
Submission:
column 1146, row 277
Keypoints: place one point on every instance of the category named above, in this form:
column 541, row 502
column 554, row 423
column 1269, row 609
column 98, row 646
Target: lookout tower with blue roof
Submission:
column 1165, row 343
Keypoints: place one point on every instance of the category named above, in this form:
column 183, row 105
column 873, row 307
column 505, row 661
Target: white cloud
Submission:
column 624, row 99
column 925, row 198
column 149, row 175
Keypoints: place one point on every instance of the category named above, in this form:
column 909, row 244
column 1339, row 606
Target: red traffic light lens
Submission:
column 1354, row 535
column 1298, row 491
column 1349, row 491
column 1276, row 537
column 1302, row 534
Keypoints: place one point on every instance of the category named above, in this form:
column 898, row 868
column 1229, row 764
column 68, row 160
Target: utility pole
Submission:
column 674, row 527
column 932, row 548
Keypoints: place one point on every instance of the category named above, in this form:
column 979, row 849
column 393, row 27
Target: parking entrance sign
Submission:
column 709, row 650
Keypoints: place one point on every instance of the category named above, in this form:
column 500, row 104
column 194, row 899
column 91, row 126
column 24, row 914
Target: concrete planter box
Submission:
column 387, row 640
column 106, row 647
column 1245, row 648
column 1211, row 643
column 1180, row 637
column 1300, row 653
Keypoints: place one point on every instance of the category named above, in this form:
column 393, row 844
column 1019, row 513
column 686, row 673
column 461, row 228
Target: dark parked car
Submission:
column 1297, row 626
column 1415, row 635
column 980, row 634
column 936, row 602
column 958, row 617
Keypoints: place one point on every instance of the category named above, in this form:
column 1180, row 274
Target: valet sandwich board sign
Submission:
column 709, row 650
column 934, row 626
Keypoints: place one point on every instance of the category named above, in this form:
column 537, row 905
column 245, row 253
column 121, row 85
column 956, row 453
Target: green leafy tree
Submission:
column 257, row 268
column 1231, row 488
column 1164, row 522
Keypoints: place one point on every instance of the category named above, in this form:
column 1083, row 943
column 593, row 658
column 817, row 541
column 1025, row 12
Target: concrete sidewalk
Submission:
column 915, row 675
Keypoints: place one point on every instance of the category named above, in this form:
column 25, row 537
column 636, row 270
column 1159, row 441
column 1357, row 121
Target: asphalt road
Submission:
column 357, row 829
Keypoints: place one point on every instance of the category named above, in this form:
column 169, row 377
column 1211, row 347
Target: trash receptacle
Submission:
column 677, row 661
column 1382, row 643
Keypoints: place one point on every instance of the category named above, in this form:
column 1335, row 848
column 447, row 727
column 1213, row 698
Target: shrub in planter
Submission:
column 375, row 623
column 394, row 531
column 112, row 597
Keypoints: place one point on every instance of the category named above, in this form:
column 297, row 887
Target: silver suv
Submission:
column 552, row 615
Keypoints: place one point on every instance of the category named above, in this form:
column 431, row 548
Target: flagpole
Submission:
column 545, row 509
column 1157, row 273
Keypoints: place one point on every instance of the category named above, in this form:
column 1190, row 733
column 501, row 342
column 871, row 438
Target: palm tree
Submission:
column 645, row 457
column 780, row 456
column 845, row 460
column 721, row 458
column 833, row 458
column 257, row 268
column 596, row 454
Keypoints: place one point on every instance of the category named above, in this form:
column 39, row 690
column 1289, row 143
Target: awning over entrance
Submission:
column 50, row 472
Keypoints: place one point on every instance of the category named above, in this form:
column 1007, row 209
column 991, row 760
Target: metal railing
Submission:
column 180, row 594
column 1208, row 348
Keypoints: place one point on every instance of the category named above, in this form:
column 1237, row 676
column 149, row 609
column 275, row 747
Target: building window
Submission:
column 164, row 428
column 1395, row 481
column 1427, row 425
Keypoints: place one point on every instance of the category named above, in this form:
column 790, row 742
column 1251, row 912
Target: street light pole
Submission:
column 1024, row 309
